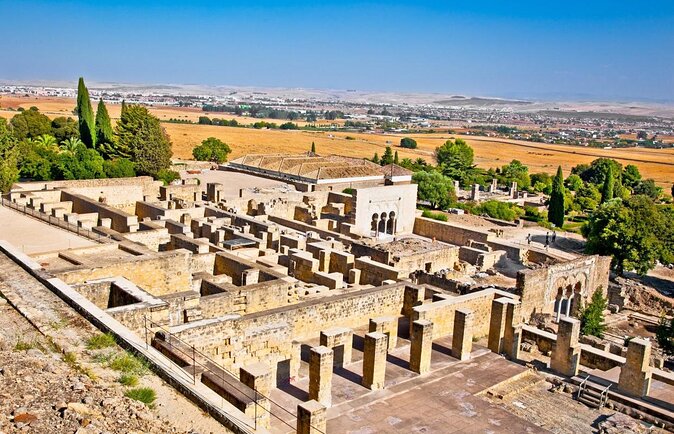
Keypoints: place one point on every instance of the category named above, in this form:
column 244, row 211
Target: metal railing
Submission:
column 55, row 221
column 603, row 398
column 582, row 386
column 200, row 360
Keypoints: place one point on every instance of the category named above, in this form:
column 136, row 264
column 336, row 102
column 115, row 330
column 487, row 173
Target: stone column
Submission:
column 421, row 346
column 512, row 338
column 475, row 192
column 456, row 187
column 320, row 375
column 513, row 190
column 566, row 354
column 497, row 324
column 462, row 339
column 258, row 377
column 374, row 360
column 387, row 325
column 311, row 418
column 338, row 337
column 635, row 374
column 414, row 296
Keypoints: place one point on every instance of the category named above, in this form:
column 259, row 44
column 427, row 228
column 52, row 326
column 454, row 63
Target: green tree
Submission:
column 212, row 149
column 592, row 316
column 36, row 161
column 85, row 163
column 63, row 128
column 30, row 124
column 500, row 210
column 628, row 231
column 46, row 140
column 648, row 188
column 597, row 170
column 85, row 115
column 664, row 334
column 119, row 168
column 435, row 188
column 313, row 148
column 9, row 171
column 141, row 137
column 375, row 159
column 608, row 187
column 517, row 172
column 395, row 158
column 556, row 207
column 455, row 159
column 409, row 143
column 105, row 137
column 387, row 157
column 573, row 182
column 631, row 176
column 588, row 197
column 70, row 145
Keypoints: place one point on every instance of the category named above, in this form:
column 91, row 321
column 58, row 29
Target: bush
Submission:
column 212, row 149
column 167, row 176
column 434, row 215
column 129, row 364
column 145, row 395
column 119, row 168
column 408, row 143
column 592, row 317
column 500, row 210
column 349, row 191
column 101, row 340
column 289, row 126
column 128, row 380
column 350, row 138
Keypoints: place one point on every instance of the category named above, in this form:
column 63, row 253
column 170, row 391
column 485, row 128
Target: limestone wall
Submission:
column 451, row 233
column 399, row 199
column 120, row 220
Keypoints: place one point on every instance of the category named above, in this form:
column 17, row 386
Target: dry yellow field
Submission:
column 489, row 152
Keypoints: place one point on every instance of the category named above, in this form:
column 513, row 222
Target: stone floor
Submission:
column 34, row 236
column 442, row 401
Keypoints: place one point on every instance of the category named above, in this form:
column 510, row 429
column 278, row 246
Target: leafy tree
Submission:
column 387, row 158
column 435, row 188
column 46, row 140
column 63, row 128
column 85, row 115
column 455, row 159
column 556, row 207
column 541, row 182
column 592, row 317
column 141, row 137
column 205, row 120
column 395, row 158
column 573, row 182
column 500, row 210
column 105, row 137
column 212, row 149
column 119, row 168
column 628, row 231
column 516, row 172
column 70, row 145
column 84, row 163
column 30, row 124
column 588, row 197
column 642, row 135
column 664, row 334
column 631, row 176
column 648, row 188
column 375, row 159
column 409, row 143
column 313, row 148
column 167, row 176
column 289, row 126
column 9, row 172
column 608, row 187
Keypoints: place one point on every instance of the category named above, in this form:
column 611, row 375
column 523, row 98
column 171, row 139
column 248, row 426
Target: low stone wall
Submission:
column 120, row 220
column 451, row 233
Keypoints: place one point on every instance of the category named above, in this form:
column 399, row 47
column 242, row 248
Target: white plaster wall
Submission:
column 401, row 199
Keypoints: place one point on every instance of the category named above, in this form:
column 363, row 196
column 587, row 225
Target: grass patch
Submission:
column 128, row 380
column 145, row 395
column 70, row 358
column 128, row 364
column 434, row 215
column 100, row 341
column 24, row 345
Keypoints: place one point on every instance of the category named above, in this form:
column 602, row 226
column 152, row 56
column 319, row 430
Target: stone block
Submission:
column 387, row 325
column 311, row 418
column 566, row 354
column 636, row 374
column 421, row 346
column 320, row 375
column 340, row 340
column 374, row 360
column 462, row 338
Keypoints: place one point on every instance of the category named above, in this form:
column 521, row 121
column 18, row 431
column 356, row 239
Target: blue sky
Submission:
column 591, row 49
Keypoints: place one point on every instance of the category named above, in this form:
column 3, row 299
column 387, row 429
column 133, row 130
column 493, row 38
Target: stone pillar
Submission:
column 421, row 346
column 494, row 185
column 497, row 324
column 320, row 375
column 475, row 192
column 513, row 190
column 635, row 374
column 566, row 354
column 414, row 296
column 311, row 418
column 462, row 339
column 457, row 187
column 323, row 260
column 374, row 360
column 512, row 338
column 387, row 325
column 340, row 340
column 258, row 376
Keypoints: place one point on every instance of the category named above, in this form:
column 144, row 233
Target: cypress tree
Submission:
column 123, row 108
column 142, row 140
column 105, row 138
column 607, row 188
column 313, row 148
column 395, row 158
column 592, row 317
column 85, row 115
column 387, row 157
column 375, row 159
column 556, row 207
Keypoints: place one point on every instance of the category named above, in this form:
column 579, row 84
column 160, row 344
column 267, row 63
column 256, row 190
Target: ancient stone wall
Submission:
column 451, row 233
column 120, row 220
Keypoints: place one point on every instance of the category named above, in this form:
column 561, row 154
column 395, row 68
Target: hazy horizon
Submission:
column 559, row 51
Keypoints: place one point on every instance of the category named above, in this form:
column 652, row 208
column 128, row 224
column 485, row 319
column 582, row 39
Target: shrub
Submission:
column 100, row 341
column 350, row 138
column 145, row 395
column 167, row 176
column 500, row 210
column 212, row 149
column 128, row 364
column 349, row 191
column 119, row 168
column 128, row 380
column 23, row 345
column 408, row 143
